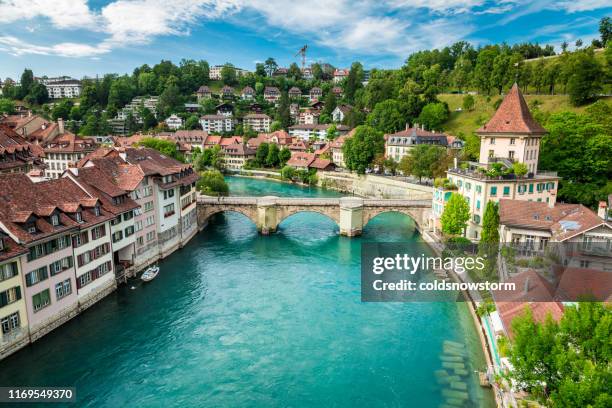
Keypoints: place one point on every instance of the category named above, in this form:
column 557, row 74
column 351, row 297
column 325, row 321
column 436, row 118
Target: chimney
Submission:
column 526, row 287
column 60, row 124
column 602, row 210
column 455, row 163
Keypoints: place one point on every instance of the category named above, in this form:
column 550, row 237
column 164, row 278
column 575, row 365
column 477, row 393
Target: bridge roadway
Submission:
column 350, row 213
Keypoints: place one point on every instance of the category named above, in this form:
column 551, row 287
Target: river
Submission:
column 239, row 319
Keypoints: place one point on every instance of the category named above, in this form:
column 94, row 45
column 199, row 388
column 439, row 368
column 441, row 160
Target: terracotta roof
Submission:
column 271, row 90
column 190, row 136
column 578, row 282
column 321, row 164
column 153, row 162
column 15, row 151
column 512, row 116
column 532, row 291
column 96, row 154
column 301, row 159
column 563, row 221
column 69, row 143
column 295, row 90
column 238, row 150
column 25, row 202
column 338, row 142
column 248, row 90
column 203, row 89
column 11, row 248
column 323, row 149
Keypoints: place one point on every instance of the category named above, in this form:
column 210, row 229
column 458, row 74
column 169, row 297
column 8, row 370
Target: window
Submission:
column 148, row 206
column 117, row 236
column 511, row 154
column 10, row 323
column 37, row 275
column 150, row 221
column 79, row 216
column 506, row 190
column 80, row 239
column 61, row 265
column 98, row 232
column 41, row 300
column 492, row 140
column 477, row 218
column 116, row 220
column 168, row 210
column 479, row 189
column 63, row 289
column 150, row 236
column 55, row 220
column 140, row 241
column 493, row 190
column 1, row 244
column 531, row 188
column 97, row 211
column 522, row 188
column 491, row 153
column 138, row 226
column 10, row 295
column 8, row 270
column 478, row 204
column 128, row 215
column 512, row 141
column 129, row 231
column 584, row 264
column 168, row 194
column 468, row 186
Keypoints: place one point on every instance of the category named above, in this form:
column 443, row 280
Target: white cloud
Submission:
column 63, row 14
column 366, row 26
column 15, row 46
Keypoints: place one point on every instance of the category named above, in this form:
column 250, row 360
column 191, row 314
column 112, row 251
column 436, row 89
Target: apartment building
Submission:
column 52, row 220
column 216, row 123
column 399, row 144
column 64, row 151
column 271, row 94
column 511, row 136
column 13, row 313
column 63, row 88
column 173, row 198
column 236, row 155
column 259, row 122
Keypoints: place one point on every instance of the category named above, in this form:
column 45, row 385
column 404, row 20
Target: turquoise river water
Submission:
column 239, row 319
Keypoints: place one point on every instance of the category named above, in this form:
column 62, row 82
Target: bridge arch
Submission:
column 334, row 216
column 204, row 214
column 371, row 213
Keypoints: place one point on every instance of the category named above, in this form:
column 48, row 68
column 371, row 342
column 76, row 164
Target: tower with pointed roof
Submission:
column 510, row 136
column 512, row 133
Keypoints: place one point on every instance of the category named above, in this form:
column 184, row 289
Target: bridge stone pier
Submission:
column 350, row 213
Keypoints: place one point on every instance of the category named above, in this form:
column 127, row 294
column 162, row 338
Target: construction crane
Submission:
column 302, row 52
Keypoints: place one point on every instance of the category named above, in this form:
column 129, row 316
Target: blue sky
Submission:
column 80, row 37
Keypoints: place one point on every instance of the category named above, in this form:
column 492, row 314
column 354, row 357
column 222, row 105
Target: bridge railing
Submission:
column 310, row 201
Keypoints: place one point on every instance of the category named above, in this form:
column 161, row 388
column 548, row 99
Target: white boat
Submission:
column 150, row 273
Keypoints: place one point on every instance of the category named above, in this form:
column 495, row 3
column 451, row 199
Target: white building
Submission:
column 216, row 123
column 214, row 72
column 174, row 122
column 63, row 88
column 260, row 122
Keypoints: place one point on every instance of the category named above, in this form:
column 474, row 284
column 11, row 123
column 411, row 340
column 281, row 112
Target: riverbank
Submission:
column 365, row 185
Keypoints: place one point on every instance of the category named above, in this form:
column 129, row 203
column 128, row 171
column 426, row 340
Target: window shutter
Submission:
column 18, row 292
column 80, row 260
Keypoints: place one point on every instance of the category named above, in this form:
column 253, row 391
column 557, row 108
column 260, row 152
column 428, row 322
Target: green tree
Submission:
column 490, row 224
column 332, row 132
column 317, row 71
column 275, row 125
column 169, row 100
column 228, row 74
column 387, row 117
column 7, row 106
column 192, row 122
column 261, row 154
column 424, row 161
column 163, row 146
column 294, row 72
column 212, row 183
column 330, row 104
column 519, row 169
column 260, row 69
column 27, row 82
column 434, row 115
column 353, row 81
column 270, row 65
column 605, row 30
column 565, row 363
column 287, row 172
column 38, row 94
column 283, row 156
column 585, row 82
column 360, row 149
column 468, row 102
column 283, row 114
column 455, row 215
column 148, row 119
column 272, row 159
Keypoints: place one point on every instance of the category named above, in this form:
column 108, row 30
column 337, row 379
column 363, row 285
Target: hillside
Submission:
column 467, row 121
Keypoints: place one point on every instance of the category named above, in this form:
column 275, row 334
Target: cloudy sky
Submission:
column 81, row 37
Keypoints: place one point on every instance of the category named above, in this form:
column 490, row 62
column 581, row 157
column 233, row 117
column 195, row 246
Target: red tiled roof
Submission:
column 238, row 150
column 321, row 164
column 563, row 221
column 301, row 159
column 532, row 291
column 513, row 116
column 577, row 282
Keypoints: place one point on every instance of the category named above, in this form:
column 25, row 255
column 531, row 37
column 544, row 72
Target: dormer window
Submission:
column 97, row 211
column 55, row 220
column 1, row 244
column 32, row 229
column 79, row 216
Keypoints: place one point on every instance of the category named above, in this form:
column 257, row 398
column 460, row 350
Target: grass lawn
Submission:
column 468, row 121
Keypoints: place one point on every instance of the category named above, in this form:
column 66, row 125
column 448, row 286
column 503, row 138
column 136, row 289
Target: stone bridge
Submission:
column 350, row 213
